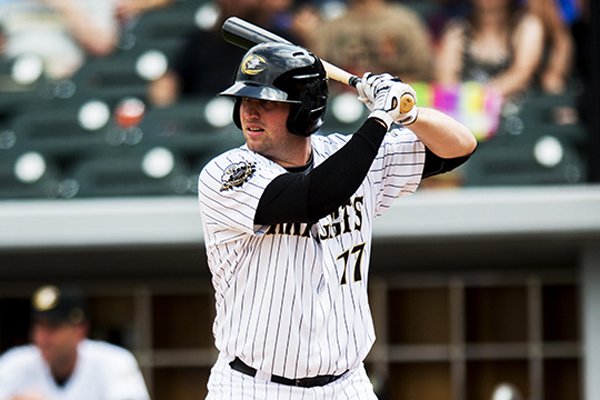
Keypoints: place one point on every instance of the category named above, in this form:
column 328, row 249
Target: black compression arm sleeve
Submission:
column 435, row 164
column 300, row 197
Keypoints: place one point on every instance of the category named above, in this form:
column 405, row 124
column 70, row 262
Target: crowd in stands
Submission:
column 506, row 47
column 508, row 44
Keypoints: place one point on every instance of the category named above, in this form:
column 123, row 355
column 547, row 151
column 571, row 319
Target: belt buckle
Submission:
column 298, row 382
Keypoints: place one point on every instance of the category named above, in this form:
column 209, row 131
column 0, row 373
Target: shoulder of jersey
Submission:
column 21, row 354
column 236, row 154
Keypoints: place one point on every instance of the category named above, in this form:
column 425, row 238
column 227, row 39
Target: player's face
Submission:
column 265, row 131
column 57, row 342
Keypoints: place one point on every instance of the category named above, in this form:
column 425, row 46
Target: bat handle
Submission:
column 406, row 101
column 336, row 73
column 353, row 81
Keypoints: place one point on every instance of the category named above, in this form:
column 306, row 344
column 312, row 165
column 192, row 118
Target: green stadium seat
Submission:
column 541, row 115
column 120, row 173
column 111, row 78
column 47, row 186
column 56, row 133
column 168, row 23
column 506, row 160
column 185, row 128
column 15, row 96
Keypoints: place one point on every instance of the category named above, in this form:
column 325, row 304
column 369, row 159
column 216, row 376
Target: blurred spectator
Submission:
column 376, row 36
column 128, row 9
column 445, row 10
column 559, row 43
column 583, row 64
column 61, row 32
column 198, row 69
column 580, row 28
column 2, row 40
column 305, row 22
column 277, row 16
column 499, row 44
column 62, row 364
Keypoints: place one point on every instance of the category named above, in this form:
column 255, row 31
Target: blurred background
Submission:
column 485, row 285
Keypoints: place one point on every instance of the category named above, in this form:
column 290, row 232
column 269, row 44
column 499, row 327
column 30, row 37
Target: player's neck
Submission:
column 492, row 20
column 62, row 371
column 299, row 156
column 303, row 168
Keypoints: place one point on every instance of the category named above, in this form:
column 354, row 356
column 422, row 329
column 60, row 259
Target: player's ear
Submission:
column 82, row 330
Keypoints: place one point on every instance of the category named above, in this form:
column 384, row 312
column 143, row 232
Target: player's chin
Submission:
column 253, row 139
column 254, row 146
column 254, row 134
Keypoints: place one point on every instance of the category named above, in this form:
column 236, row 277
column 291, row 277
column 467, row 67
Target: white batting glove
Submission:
column 366, row 86
column 383, row 95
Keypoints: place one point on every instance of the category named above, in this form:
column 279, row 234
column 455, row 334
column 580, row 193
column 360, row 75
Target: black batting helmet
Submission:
column 286, row 73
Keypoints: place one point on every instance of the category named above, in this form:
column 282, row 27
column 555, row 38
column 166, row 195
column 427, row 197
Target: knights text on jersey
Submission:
column 291, row 299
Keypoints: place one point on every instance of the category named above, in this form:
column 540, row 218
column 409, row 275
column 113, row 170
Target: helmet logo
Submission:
column 253, row 65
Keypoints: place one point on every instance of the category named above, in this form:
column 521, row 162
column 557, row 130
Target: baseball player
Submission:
column 288, row 220
column 62, row 364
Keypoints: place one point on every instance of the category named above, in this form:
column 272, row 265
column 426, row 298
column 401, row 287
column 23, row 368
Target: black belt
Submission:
column 320, row 380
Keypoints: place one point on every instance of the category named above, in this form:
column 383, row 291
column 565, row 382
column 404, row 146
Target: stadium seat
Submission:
column 185, row 128
column 48, row 185
column 164, row 29
column 15, row 96
column 510, row 157
column 56, row 133
column 544, row 114
column 111, row 78
column 121, row 173
column 507, row 160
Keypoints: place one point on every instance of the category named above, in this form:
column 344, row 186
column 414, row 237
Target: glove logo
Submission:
column 253, row 65
column 237, row 174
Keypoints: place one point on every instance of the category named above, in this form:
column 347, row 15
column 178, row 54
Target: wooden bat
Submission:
column 246, row 35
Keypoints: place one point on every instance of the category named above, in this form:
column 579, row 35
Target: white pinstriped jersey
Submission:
column 291, row 299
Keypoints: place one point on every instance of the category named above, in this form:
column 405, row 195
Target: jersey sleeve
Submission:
column 6, row 377
column 127, row 382
column 229, row 190
column 123, row 378
column 398, row 168
column 12, row 365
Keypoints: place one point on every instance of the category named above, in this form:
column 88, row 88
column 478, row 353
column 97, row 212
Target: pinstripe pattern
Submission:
column 291, row 299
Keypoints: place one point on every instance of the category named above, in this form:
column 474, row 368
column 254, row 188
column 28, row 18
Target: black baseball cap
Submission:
column 56, row 305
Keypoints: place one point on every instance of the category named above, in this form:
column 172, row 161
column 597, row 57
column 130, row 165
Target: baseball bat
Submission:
column 245, row 35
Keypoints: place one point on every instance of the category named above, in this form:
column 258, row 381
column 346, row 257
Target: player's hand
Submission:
column 384, row 93
column 363, row 96
column 366, row 86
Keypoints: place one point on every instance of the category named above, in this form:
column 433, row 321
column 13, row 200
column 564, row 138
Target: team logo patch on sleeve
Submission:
column 237, row 174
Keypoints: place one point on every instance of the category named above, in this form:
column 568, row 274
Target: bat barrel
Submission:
column 246, row 35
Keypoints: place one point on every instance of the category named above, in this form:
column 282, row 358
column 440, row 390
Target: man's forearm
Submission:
column 443, row 135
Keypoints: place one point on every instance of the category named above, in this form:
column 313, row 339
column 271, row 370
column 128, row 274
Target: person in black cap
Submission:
column 62, row 363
